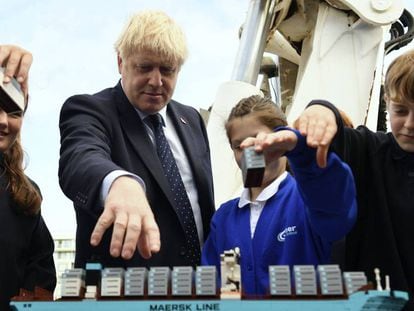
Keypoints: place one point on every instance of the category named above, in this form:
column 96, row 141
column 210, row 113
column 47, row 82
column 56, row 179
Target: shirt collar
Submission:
column 162, row 112
column 397, row 152
column 266, row 193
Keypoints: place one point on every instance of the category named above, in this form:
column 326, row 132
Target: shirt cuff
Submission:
column 110, row 178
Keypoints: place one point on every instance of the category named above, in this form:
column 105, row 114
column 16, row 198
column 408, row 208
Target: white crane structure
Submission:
column 324, row 49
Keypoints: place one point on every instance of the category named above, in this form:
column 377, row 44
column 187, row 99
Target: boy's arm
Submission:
column 320, row 122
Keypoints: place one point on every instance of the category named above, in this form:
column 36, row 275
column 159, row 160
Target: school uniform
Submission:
column 300, row 218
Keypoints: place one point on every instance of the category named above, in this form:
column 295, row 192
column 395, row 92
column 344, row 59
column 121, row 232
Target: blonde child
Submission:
column 383, row 166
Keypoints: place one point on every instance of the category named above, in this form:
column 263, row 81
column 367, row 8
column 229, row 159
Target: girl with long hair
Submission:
column 26, row 259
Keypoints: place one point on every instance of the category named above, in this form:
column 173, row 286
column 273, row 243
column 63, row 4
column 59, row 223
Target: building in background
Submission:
column 64, row 257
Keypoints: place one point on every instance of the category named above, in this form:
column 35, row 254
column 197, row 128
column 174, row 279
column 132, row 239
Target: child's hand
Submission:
column 273, row 145
column 318, row 124
column 17, row 62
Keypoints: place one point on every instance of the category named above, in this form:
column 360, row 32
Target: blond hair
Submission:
column 399, row 79
column 153, row 31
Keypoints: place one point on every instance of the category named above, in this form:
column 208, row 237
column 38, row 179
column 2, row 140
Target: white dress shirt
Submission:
column 182, row 163
column 256, row 207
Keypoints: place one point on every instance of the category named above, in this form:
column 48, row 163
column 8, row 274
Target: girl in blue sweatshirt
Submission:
column 285, row 221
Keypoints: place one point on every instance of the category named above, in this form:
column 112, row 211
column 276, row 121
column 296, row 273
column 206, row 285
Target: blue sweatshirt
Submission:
column 297, row 225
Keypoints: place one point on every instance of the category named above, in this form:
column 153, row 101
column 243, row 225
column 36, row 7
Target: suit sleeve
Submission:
column 85, row 152
column 329, row 193
column 40, row 269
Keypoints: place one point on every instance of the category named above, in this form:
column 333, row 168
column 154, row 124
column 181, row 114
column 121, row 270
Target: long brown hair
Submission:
column 23, row 192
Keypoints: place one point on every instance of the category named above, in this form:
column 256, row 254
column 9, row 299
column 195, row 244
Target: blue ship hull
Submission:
column 372, row 300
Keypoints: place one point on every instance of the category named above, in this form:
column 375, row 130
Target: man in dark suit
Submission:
column 109, row 166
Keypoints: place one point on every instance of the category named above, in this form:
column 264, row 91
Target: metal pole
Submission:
column 253, row 41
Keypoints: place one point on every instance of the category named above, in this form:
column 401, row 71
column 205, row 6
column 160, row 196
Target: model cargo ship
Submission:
column 183, row 288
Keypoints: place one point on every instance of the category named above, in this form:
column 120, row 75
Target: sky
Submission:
column 72, row 45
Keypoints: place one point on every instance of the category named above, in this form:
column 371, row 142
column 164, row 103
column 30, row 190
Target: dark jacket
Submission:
column 27, row 247
column 103, row 132
column 383, row 236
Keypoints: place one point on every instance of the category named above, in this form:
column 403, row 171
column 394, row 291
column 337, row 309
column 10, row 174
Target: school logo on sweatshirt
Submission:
column 286, row 232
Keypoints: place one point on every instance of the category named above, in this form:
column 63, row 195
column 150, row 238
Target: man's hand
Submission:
column 273, row 145
column 17, row 62
column 318, row 124
column 127, row 208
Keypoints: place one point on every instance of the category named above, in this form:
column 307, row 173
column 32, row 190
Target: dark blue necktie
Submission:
column 182, row 203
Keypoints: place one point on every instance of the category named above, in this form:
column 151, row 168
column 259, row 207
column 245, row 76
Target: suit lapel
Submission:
column 137, row 134
column 186, row 128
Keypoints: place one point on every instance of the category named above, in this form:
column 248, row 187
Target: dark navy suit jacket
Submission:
column 103, row 132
